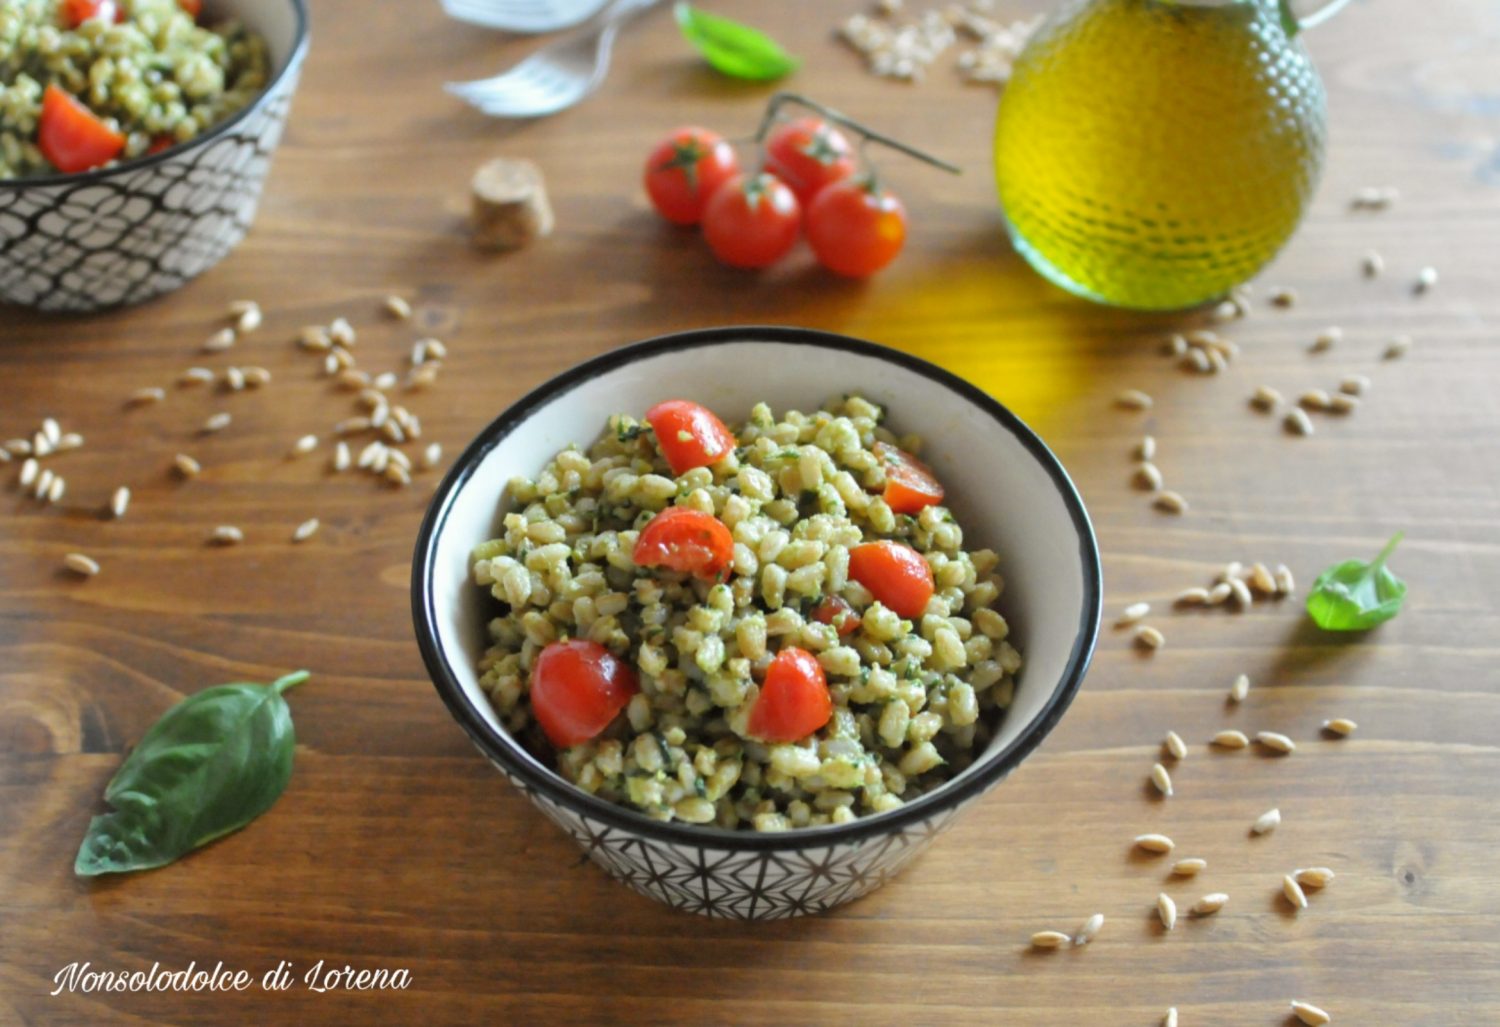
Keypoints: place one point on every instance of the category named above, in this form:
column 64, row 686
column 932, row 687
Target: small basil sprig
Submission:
column 209, row 766
column 733, row 49
column 1355, row 595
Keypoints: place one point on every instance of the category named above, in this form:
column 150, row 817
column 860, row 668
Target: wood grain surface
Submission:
column 397, row 846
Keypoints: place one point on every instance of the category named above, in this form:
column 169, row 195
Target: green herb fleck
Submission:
column 1354, row 595
column 733, row 48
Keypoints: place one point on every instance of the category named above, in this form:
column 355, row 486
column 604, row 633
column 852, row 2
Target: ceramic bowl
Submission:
column 127, row 233
column 1004, row 485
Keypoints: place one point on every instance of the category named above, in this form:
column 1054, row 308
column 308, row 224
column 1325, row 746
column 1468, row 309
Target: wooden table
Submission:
column 397, row 846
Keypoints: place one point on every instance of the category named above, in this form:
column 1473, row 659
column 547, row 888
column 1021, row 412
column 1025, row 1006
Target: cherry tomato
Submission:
column 71, row 137
column 836, row 610
column 160, row 143
column 808, row 154
column 856, row 227
column 687, row 540
column 192, row 7
column 895, row 574
column 76, row 12
column 793, row 701
column 577, row 688
column 752, row 220
column 909, row 483
column 688, row 434
column 686, row 169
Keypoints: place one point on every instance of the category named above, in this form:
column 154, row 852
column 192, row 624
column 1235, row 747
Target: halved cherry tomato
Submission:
column 160, row 143
column 76, row 12
column 577, row 688
column 808, row 154
column 752, row 221
column 909, row 483
column 688, row 434
column 836, row 610
column 686, row 169
column 794, row 700
column 71, row 137
column 856, row 227
column 895, row 574
column 687, row 540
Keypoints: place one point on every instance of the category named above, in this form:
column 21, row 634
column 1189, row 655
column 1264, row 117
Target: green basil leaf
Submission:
column 1354, row 595
column 733, row 49
column 209, row 766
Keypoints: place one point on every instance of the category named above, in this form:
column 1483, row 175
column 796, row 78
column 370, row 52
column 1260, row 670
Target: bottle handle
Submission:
column 1292, row 22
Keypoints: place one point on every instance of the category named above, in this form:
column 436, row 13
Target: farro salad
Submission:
column 767, row 628
column 85, row 83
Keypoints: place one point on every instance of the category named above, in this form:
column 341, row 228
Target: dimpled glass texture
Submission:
column 1153, row 154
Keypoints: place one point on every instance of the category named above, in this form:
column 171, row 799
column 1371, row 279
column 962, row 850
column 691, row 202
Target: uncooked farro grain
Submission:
column 1170, row 1020
column 397, row 307
column 29, row 470
column 1276, row 742
column 385, row 380
column 18, row 447
column 1148, row 476
column 1286, row 584
column 249, row 318
column 1310, row 1014
column 352, row 426
column 342, row 332
column 1240, row 689
column 1132, row 613
column 219, row 341
column 1169, row 501
column 216, row 422
column 1166, row 910
column 1266, row 822
column 1133, row 399
column 1297, row 422
column 1161, row 779
column 306, row 444
column 1210, row 904
column 1343, row 727
column 43, row 483
column 1150, row 638
column 314, row 338
column 56, row 489
column 1265, row 398
column 226, row 535
column 1049, row 940
column 51, row 430
column 1157, row 843
column 432, row 455
column 1241, row 592
column 305, row 530
column 186, row 466
column 1090, row 930
column 1314, row 399
column 1398, row 347
column 255, row 377
column 1230, row 739
column 1194, row 596
column 1219, row 594
column 1175, row 746
column 150, row 394
column 1146, row 448
column 1354, row 384
column 234, row 379
column 1293, row 891
column 1341, row 403
column 1261, row 579
column 353, row 379
column 80, row 563
column 1313, row 877
column 1326, row 339
column 341, row 456
column 1191, row 867
column 119, row 502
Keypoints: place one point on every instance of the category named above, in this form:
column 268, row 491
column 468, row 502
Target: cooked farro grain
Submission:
column 1210, row 904
column 216, row 422
column 29, row 470
column 331, row 364
column 341, row 456
column 1340, row 726
column 393, row 431
column 1170, row 501
column 1161, row 779
column 914, row 700
column 1265, row 398
column 1133, row 399
column 1192, row 597
column 1230, row 739
column 79, row 563
column 1297, row 422
column 1293, row 892
column 1190, row 867
column 1266, row 822
column 119, row 502
column 1148, row 476
column 1276, row 742
column 226, row 535
column 1285, row 583
column 305, row 530
column 1049, row 940
column 150, row 394
column 1149, row 637
column 1313, row 877
column 1166, row 910
column 1133, row 613
column 1090, row 930
column 1283, row 297
column 186, row 466
column 1310, row 1014
column 306, row 444
column 432, row 455
column 1175, row 746
column 1157, row 843
column 1240, row 689
column 436, row 350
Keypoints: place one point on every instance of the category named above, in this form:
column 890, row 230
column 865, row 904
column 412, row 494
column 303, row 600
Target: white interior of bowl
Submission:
column 275, row 21
column 1002, row 496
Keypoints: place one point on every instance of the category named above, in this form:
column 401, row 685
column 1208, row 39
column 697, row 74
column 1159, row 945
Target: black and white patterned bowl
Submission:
column 1004, row 485
column 124, row 234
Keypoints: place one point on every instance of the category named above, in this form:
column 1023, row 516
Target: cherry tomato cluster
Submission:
column 578, row 687
column 809, row 182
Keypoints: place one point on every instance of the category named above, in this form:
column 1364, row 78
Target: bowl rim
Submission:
column 504, row 751
column 294, row 58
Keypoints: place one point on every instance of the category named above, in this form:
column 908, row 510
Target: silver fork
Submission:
column 556, row 76
column 530, row 16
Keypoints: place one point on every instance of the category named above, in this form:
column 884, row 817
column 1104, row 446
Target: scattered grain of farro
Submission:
column 352, row 425
column 1175, row 345
column 56, row 489
column 120, row 501
column 370, row 398
column 1265, row 398
column 1150, row 638
column 418, row 354
column 4, row 455
column 331, row 364
column 385, row 380
column 40, row 445
column 250, row 319
column 219, row 341
column 1326, row 339
column 393, row 431
column 1230, row 571
column 234, row 379
column 1241, row 592
column 314, row 337
column 51, row 430
column 1314, row 399
column 1154, row 843
column 306, row 444
column 1354, row 385
column 43, row 483
column 1261, row 579
column 1132, row 613
column 432, row 455
column 1161, row 779
column 379, row 415
column 29, row 469
column 1216, row 360
column 1343, row 727
column 1341, row 403
column 18, row 447
column 1398, row 347
column 436, row 350
column 1310, row 1014
column 1170, row 501
column 217, row 422
column 368, row 454
column 401, row 459
column 1285, row 583
column 150, row 394
column 1133, row 399
column 1275, row 741
column 1146, row 448
column 422, row 377
column 1283, row 297
column 342, row 332
column 226, row 535
column 1198, row 360
column 1175, row 746
column 80, row 563
column 1293, row 891
column 1090, row 930
column 1426, row 279
column 1373, row 197
column 305, row 530
column 413, row 426
column 1166, row 909
column 1230, row 739
column 1210, row 904
column 382, row 459
column 186, row 465
column 1049, row 940
column 1372, row 263
column 1192, row 597
column 255, row 377
column 341, row 456
column 1190, row 867
column 1297, row 422
column 1313, row 877
column 353, row 379
column 398, row 475
column 1148, row 476
column 1170, row 1020
column 342, row 356
column 1266, row 822
column 1240, row 689
column 238, row 307
column 397, row 307
column 69, row 440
